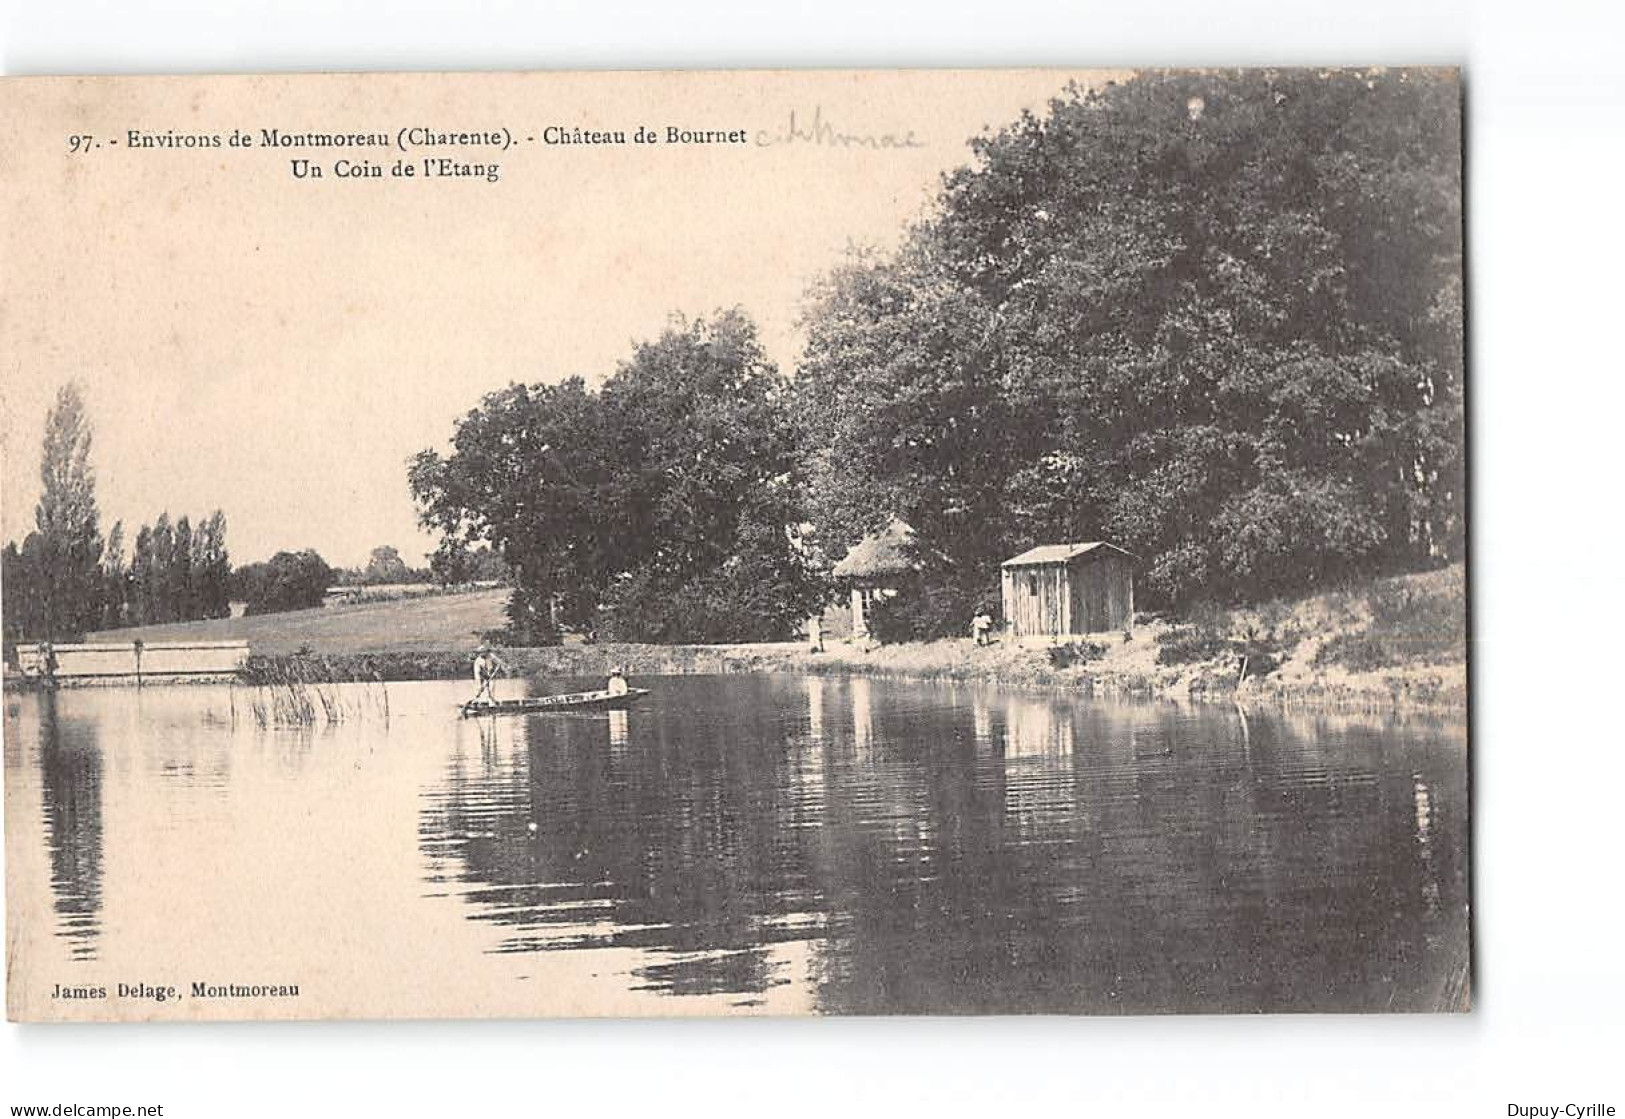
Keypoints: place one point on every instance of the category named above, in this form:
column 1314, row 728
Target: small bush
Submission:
column 929, row 610
column 750, row 598
column 1263, row 651
column 1260, row 664
column 892, row 622
column 1190, row 644
column 1075, row 653
column 1357, row 652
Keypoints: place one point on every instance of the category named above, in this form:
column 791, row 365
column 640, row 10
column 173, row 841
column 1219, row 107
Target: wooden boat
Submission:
column 570, row 701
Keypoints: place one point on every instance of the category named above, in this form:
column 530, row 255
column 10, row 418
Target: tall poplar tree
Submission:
column 70, row 582
column 212, row 571
column 181, row 587
column 113, row 578
column 163, row 561
column 141, row 579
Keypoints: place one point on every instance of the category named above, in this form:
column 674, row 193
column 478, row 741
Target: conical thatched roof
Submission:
column 879, row 554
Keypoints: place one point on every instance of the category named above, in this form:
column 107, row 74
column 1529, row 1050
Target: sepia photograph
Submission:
column 650, row 544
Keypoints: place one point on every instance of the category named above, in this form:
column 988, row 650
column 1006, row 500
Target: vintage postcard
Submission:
column 918, row 542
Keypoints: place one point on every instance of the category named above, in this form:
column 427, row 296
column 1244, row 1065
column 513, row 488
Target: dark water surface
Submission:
column 747, row 843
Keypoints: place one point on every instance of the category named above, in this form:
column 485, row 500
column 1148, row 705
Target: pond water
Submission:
column 734, row 844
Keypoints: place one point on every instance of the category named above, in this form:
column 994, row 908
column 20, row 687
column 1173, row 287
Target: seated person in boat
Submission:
column 617, row 682
column 486, row 667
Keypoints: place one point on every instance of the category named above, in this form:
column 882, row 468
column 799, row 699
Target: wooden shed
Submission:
column 1061, row 590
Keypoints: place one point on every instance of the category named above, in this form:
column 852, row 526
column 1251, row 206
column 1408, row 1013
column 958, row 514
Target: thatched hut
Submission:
column 874, row 568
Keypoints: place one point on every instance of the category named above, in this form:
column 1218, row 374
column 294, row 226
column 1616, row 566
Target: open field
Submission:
column 438, row 622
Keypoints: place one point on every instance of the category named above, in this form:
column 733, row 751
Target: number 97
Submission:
column 79, row 144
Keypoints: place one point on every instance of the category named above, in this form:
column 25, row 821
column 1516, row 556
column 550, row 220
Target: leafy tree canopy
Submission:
column 1214, row 318
column 288, row 581
column 660, row 506
column 385, row 565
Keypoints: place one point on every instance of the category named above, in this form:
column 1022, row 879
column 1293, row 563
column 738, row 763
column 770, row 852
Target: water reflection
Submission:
column 776, row 842
column 71, row 788
column 863, row 724
column 968, row 851
column 815, row 708
column 571, row 845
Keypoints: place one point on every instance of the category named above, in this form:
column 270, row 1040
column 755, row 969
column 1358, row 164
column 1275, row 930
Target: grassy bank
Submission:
column 1393, row 642
column 1397, row 642
column 573, row 660
column 402, row 625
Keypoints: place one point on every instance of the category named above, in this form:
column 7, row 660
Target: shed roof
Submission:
column 1060, row 553
column 880, row 553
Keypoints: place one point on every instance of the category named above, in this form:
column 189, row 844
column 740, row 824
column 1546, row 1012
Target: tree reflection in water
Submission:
column 71, row 788
column 959, row 850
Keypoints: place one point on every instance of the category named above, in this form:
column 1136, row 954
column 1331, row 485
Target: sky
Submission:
column 279, row 348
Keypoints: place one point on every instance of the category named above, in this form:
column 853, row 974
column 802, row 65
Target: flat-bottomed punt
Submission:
column 570, row 701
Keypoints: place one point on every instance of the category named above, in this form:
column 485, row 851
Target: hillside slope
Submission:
column 438, row 622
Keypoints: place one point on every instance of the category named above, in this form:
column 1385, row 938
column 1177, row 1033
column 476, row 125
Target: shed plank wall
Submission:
column 1090, row 595
column 1103, row 595
column 1037, row 600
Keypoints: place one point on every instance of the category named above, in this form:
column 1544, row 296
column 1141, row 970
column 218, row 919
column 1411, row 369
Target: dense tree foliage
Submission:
column 385, row 565
column 113, row 582
column 176, row 573
column 22, row 579
column 211, row 569
column 288, row 581
column 1215, row 318
column 657, row 508
column 455, row 561
column 64, row 580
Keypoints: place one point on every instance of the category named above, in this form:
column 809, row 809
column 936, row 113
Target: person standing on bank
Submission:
column 981, row 626
column 486, row 667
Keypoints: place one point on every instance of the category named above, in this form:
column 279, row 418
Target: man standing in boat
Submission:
column 617, row 682
column 486, row 667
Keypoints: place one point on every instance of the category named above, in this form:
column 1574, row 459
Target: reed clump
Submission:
column 307, row 690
